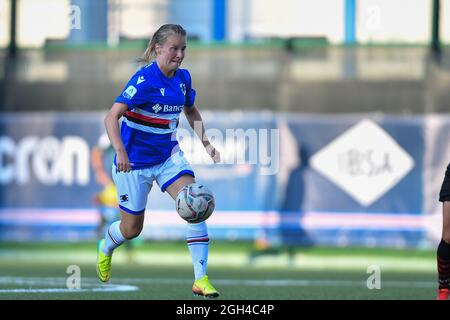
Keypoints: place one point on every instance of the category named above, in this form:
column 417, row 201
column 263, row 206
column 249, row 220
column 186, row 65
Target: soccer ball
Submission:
column 195, row 203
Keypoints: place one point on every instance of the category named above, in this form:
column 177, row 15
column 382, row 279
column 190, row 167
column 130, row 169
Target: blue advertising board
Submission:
column 290, row 179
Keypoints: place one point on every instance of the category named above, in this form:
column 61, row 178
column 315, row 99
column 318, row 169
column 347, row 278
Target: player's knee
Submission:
column 131, row 231
column 446, row 236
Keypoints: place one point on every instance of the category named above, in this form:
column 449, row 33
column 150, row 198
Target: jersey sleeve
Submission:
column 134, row 93
column 190, row 92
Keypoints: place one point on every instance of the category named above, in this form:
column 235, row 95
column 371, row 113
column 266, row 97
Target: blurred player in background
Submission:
column 443, row 251
column 147, row 149
column 102, row 158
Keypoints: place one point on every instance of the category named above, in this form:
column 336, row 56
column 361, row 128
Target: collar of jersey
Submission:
column 155, row 65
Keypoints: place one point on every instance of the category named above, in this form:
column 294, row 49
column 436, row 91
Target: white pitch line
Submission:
column 33, row 281
column 125, row 284
column 112, row 288
column 287, row 282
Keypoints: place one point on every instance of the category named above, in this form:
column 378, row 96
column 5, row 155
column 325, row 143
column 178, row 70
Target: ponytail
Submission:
column 147, row 56
column 159, row 37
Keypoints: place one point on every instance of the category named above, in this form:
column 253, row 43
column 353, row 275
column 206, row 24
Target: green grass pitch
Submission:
column 162, row 271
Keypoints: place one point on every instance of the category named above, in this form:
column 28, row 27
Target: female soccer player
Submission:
column 443, row 251
column 147, row 150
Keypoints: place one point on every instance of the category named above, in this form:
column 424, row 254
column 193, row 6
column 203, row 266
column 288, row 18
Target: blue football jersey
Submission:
column 154, row 103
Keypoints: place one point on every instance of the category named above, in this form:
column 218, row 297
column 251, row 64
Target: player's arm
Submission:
column 195, row 121
column 112, row 128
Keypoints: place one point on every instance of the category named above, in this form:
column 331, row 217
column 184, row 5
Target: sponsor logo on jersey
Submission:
column 162, row 90
column 140, row 80
column 129, row 92
column 168, row 108
column 157, row 108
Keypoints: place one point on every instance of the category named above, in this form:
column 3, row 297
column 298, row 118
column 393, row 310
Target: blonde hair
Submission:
column 160, row 37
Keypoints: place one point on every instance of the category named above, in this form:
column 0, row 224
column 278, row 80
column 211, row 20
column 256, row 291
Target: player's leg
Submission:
column 109, row 208
column 196, row 234
column 128, row 227
column 175, row 174
column 132, row 191
column 198, row 243
column 443, row 251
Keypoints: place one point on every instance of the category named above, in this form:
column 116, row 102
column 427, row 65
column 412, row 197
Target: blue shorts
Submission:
column 133, row 187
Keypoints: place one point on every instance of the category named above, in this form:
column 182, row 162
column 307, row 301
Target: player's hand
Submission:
column 213, row 153
column 122, row 162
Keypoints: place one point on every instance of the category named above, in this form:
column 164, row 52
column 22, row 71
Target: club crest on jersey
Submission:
column 162, row 90
column 183, row 88
column 129, row 92
column 157, row 108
